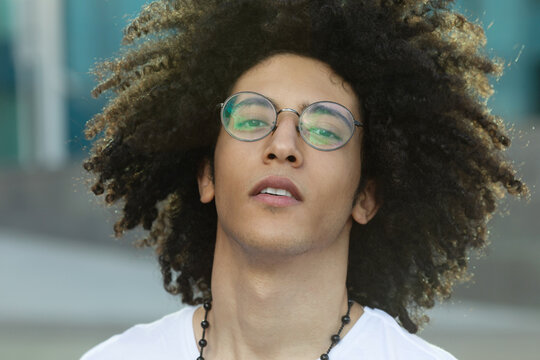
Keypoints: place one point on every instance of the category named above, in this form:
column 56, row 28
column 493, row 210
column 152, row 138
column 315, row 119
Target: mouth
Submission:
column 277, row 190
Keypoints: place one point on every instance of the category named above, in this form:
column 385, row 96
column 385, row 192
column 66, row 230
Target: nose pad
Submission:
column 287, row 110
column 285, row 120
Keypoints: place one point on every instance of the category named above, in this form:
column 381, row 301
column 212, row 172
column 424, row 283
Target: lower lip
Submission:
column 277, row 201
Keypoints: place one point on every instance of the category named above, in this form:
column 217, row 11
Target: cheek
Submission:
column 229, row 171
column 330, row 209
column 340, row 188
column 223, row 169
column 340, row 174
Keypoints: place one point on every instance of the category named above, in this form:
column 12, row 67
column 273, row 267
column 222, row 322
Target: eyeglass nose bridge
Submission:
column 285, row 110
column 288, row 110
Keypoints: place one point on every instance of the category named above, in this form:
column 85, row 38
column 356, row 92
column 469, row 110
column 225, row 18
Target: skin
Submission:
column 278, row 281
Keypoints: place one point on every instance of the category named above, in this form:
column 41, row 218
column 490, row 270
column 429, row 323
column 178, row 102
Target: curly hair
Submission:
column 431, row 144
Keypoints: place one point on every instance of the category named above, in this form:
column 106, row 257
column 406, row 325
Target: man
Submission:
column 354, row 166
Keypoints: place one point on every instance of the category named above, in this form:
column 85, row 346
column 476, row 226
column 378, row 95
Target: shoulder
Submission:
column 376, row 335
column 169, row 337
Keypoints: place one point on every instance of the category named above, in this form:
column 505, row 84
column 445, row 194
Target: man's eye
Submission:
column 250, row 124
column 324, row 133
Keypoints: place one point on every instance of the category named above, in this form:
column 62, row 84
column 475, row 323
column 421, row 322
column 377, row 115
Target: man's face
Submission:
column 323, row 182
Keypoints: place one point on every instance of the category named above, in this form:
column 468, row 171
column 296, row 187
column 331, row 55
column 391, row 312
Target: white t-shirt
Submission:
column 375, row 336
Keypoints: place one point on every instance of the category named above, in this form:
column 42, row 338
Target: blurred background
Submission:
column 66, row 284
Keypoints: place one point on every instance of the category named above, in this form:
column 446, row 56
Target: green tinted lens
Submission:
column 326, row 125
column 248, row 116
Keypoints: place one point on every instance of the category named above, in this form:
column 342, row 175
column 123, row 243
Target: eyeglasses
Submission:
column 324, row 125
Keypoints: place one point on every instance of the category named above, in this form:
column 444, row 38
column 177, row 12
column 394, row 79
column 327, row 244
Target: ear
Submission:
column 366, row 204
column 206, row 183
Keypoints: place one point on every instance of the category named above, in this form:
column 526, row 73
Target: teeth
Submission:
column 279, row 192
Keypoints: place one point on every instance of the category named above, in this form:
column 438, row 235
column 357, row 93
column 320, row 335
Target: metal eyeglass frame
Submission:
column 355, row 123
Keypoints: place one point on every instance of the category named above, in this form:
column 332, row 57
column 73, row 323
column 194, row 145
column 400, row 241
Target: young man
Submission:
column 354, row 166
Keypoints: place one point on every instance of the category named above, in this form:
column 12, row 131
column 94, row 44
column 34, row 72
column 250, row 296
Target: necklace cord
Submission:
column 205, row 325
column 345, row 319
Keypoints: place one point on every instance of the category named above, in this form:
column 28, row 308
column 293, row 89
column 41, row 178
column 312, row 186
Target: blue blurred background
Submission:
column 65, row 284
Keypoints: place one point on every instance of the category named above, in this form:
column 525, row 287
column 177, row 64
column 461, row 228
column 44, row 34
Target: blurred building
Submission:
column 48, row 46
column 46, row 50
column 512, row 29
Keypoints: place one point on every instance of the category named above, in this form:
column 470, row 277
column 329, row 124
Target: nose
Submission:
column 283, row 143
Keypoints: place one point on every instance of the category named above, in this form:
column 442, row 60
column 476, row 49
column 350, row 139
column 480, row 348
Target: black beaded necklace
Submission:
column 345, row 319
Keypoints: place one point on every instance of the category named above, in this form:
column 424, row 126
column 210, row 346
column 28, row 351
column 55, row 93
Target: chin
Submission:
column 274, row 244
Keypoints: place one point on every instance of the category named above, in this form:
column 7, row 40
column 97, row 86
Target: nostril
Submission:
column 291, row 158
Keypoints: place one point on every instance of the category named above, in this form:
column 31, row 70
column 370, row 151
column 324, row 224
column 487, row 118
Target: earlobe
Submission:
column 366, row 204
column 206, row 183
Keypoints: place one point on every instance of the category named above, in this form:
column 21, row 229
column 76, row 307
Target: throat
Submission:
column 207, row 320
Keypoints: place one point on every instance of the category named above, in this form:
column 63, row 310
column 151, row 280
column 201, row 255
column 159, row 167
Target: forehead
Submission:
column 292, row 80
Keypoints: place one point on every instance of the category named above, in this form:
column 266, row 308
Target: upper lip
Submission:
column 276, row 182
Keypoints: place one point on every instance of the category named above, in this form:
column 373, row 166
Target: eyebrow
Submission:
column 327, row 110
column 251, row 101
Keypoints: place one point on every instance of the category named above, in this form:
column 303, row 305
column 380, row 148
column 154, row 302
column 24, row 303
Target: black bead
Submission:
column 335, row 338
column 345, row 319
column 205, row 324
column 202, row 343
column 200, row 358
column 350, row 303
column 207, row 306
column 325, row 357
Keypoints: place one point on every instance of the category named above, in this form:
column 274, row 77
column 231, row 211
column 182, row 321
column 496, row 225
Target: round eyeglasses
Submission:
column 324, row 125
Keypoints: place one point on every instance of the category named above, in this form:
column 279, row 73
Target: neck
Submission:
column 275, row 309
